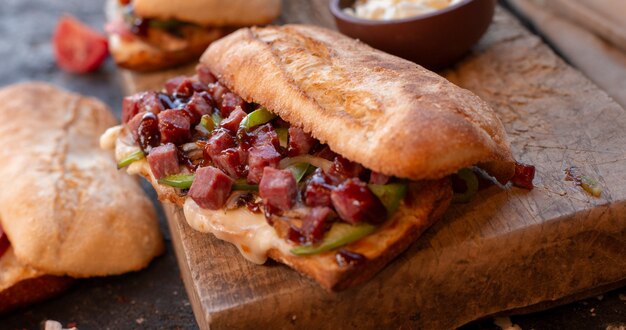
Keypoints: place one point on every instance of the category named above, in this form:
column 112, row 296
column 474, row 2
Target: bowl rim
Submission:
column 339, row 13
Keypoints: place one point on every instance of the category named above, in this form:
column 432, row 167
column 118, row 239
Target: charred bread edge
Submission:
column 33, row 290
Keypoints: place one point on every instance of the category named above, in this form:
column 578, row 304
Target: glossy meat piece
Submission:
column 210, row 188
column 300, row 143
column 278, row 188
column 175, row 127
column 163, row 160
column 355, row 203
column 260, row 157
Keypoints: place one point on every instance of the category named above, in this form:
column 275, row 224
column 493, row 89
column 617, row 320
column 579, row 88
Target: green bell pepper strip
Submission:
column 167, row 24
column 283, row 136
column 391, row 195
column 591, row 185
column 182, row 181
column 298, row 170
column 471, row 182
column 340, row 234
column 255, row 118
column 131, row 158
column 217, row 119
column 243, row 185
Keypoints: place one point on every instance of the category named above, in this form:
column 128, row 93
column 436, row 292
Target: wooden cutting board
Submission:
column 507, row 251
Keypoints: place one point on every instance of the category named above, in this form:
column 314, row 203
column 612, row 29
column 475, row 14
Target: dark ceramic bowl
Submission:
column 434, row 40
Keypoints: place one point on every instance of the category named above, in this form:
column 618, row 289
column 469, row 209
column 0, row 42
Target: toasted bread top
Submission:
column 65, row 207
column 389, row 114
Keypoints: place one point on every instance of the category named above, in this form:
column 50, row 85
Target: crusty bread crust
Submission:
column 21, row 285
column 138, row 55
column 389, row 114
column 32, row 290
column 64, row 206
column 211, row 12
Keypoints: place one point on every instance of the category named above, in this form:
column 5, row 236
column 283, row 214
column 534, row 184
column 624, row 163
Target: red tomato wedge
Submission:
column 4, row 242
column 77, row 47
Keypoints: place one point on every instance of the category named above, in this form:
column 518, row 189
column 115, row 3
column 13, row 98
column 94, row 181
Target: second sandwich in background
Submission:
column 146, row 35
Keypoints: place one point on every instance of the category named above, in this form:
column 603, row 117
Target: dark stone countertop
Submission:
column 155, row 298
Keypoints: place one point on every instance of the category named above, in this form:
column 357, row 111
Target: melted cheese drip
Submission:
column 248, row 231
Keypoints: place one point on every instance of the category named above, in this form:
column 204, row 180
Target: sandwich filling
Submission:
column 225, row 154
column 166, row 35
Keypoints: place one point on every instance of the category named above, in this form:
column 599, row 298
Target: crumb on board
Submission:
column 505, row 323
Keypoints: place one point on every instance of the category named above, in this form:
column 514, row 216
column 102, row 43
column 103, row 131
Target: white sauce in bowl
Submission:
column 396, row 9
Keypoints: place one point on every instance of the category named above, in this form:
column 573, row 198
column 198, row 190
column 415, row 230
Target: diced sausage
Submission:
column 355, row 203
column 204, row 74
column 163, row 160
column 300, row 143
column 146, row 101
column 315, row 224
column 220, row 140
column 130, row 107
column 278, row 188
column 174, row 126
column 378, row 178
column 187, row 87
column 234, row 119
column 210, row 188
column 266, row 135
column 200, row 104
column 173, row 83
column 230, row 102
column 343, row 168
column 260, row 157
column 133, row 125
column 318, row 188
column 231, row 162
column 217, row 91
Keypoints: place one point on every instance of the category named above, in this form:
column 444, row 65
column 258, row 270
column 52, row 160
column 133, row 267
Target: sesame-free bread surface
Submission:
column 64, row 206
column 389, row 114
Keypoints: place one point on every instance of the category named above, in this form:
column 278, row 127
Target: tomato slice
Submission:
column 77, row 47
column 4, row 242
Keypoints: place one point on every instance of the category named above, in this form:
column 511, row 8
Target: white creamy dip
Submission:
column 396, row 9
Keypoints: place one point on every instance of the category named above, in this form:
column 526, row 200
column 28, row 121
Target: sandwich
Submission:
column 155, row 34
column 299, row 144
column 65, row 211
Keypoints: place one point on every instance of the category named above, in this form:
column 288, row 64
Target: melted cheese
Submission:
column 248, row 231
column 107, row 140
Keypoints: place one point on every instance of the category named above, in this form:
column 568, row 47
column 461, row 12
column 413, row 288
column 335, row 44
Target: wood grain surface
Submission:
column 507, row 250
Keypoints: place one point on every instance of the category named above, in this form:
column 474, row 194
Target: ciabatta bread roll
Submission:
column 64, row 207
column 389, row 114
